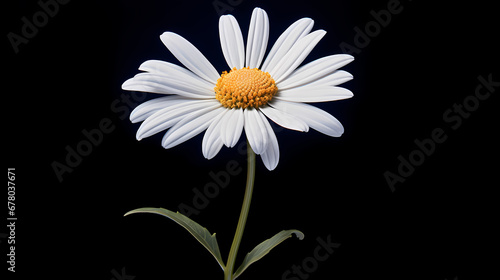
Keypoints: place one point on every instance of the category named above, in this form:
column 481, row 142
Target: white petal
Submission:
column 190, row 126
column 167, row 117
column 296, row 55
column 284, row 119
column 336, row 78
column 294, row 32
column 314, row 117
column 190, row 56
column 168, row 69
column 232, row 126
column 315, row 70
column 231, row 41
column 314, row 94
column 212, row 142
column 150, row 107
column 271, row 156
column 255, row 130
column 258, row 35
column 148, row 82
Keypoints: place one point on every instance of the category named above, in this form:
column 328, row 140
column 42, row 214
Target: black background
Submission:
column 437, row 224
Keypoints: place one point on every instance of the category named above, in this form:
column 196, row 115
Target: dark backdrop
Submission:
column 63, row 83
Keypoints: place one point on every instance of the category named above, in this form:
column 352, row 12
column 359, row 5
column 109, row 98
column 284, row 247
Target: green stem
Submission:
column 228, row 271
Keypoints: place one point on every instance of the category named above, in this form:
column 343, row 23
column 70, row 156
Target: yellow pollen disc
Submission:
column 245, row 88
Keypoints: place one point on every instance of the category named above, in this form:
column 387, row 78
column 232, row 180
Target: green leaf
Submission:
column 200, row 233
column 265, row 247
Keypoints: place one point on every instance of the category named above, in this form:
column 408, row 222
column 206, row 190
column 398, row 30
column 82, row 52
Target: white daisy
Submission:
column 225, row 104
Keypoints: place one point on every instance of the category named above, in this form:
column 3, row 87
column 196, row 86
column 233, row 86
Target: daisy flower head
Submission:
column 253, row 91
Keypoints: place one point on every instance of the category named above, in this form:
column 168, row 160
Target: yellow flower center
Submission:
column 245, row 88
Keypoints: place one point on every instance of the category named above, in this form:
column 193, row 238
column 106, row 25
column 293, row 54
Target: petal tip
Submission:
column 349, row 58
column 271, row 168
column 126, row 84
column 167, row 34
